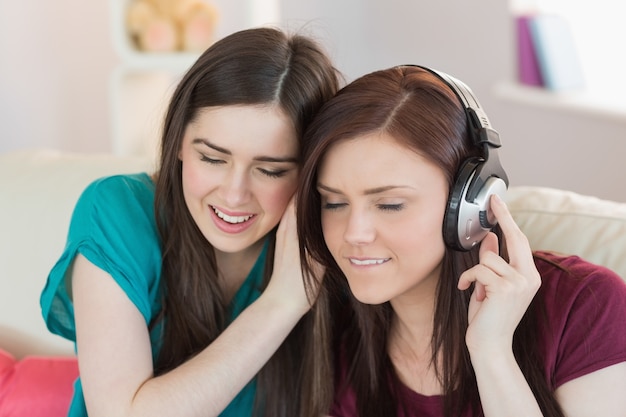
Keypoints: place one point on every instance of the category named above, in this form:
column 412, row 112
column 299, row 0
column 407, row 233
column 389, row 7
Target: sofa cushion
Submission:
column 36, row 386
column 571, row 223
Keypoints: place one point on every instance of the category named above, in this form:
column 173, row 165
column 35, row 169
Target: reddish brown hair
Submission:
column 423, row 114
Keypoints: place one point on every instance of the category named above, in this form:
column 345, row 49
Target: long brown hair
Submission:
column 423, row 114
column 250, row 67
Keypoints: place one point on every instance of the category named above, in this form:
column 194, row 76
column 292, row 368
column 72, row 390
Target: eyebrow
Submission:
column 258, row 158
column 369, row 191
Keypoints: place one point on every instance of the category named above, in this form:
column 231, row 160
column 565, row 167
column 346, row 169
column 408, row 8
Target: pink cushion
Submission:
column 36, row 386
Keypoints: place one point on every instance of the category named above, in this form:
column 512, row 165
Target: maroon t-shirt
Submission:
column 585, row 330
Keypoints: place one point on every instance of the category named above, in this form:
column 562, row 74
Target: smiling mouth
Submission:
column 364, row 262
column 231, row 219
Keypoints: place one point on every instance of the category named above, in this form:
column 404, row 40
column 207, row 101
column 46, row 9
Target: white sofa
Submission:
column 38, row 189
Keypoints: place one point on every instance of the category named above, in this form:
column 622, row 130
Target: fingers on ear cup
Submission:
column 493, row 185
column 466, row 223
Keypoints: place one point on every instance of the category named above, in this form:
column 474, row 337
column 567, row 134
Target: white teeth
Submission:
column 231, row 219
column 367, row 261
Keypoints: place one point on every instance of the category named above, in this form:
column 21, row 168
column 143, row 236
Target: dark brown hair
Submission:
column 251, row 67
column 422, row 113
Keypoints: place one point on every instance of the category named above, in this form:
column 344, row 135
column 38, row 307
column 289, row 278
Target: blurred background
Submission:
column 71, row 80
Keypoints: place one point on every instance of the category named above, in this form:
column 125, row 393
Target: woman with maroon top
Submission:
column 427, row 310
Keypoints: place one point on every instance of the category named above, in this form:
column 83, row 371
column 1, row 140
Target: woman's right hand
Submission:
column 287, row 282
column 504, row 289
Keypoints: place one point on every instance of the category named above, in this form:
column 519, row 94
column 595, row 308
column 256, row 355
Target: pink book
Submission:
column 527, row 65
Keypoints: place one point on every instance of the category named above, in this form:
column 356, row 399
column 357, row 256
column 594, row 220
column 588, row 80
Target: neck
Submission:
column 234, row 267
column 412, row 327
column 410, row 342
column 414, row 312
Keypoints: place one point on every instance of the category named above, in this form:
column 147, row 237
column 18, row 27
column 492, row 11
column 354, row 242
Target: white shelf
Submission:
column 176, row 62
column 141, row 86
column 581, row 102
column 137, row 60
column 140, row 89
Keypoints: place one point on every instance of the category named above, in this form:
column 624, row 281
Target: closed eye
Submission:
column 333, row 206
column 213, row 161
column 273, row 174
column 391, row 207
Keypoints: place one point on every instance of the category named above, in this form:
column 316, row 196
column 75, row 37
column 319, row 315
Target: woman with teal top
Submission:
column 183, row 289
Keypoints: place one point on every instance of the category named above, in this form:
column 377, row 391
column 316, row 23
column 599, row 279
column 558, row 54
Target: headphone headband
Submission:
column 468, row 218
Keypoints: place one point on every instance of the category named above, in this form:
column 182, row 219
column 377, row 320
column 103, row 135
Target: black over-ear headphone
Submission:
column 468, row 217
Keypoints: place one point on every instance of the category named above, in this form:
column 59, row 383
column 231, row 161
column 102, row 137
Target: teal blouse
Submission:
column 113, row 226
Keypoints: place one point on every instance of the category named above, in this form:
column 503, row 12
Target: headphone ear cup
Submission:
column 456, row 201
column 466, row 223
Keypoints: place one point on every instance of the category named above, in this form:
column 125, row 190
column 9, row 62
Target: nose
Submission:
column 235, row 189
column 360, row 229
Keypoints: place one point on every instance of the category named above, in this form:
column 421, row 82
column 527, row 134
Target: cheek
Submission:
column 276, row 197
column 195, row 183
column 420, row 234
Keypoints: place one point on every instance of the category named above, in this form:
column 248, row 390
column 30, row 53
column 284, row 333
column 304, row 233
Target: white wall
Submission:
column 56, row 59
column 542, row 145
column 468, row 39
column 56, row 64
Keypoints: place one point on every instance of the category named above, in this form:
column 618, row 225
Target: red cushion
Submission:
column 36, row 386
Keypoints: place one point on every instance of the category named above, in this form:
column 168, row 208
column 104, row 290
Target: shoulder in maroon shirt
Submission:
column 581, row 328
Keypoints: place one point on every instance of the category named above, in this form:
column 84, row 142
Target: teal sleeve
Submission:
column 113, row 227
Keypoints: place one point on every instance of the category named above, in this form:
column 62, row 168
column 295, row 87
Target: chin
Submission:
column 369, row 296
column 228, row 244
column 233, row 245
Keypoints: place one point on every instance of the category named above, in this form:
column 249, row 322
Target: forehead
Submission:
column 374, row 158
column 376, row 149
column 257, row 129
